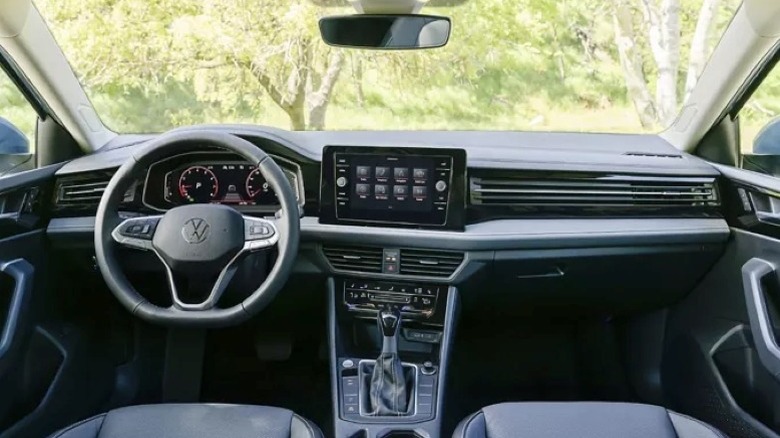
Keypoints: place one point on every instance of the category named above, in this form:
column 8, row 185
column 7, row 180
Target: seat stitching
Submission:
column 381, row 384
column 73, row 426
column 100, row 428
column 469, row 421
column 305, row 423
column 395, row 390
column 706, row 425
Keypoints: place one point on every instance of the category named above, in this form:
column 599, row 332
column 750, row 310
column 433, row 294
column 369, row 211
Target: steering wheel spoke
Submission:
column 215, row 292
column 136, row 232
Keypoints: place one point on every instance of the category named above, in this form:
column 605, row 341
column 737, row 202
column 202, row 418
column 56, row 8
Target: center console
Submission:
column 389, row 342
column 389, row 336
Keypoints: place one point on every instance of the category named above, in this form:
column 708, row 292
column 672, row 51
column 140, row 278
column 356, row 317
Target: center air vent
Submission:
column 354, row 258
column 429, row 263
column 589, row 190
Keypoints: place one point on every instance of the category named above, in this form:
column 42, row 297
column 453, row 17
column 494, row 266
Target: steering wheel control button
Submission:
column 260, row 231
column 138, row 228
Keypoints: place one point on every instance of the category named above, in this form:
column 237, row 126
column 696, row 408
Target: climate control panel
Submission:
column 411, row 299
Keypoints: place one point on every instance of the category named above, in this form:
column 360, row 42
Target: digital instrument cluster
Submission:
column 201, row 178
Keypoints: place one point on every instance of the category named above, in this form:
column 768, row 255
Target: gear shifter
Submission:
column 388, row 391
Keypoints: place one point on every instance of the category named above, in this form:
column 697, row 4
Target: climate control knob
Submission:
column 441, row 186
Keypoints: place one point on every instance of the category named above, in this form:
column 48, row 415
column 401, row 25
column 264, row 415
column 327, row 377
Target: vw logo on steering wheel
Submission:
column 195, row 230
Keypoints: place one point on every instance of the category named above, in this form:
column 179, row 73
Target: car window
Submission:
column 759, row 123
column 17, row 128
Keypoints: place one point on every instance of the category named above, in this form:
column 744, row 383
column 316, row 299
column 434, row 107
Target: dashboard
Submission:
column 216, row 178
column 545, row 216
column 498, row 190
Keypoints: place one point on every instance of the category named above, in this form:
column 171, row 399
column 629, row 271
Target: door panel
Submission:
column 722, row 359
column 23, row 267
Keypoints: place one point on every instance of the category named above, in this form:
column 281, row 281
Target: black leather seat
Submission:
column 581, row 420
column 193, row 421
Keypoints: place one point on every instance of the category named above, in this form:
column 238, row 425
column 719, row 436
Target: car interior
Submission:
column 236, row 280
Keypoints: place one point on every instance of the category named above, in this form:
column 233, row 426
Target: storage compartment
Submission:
column 588, row 280
column 754, row 389
column 42, row 362
column 401, row 434
column 6, row 293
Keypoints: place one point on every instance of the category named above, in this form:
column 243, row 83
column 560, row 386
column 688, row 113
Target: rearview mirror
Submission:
column 386, row 32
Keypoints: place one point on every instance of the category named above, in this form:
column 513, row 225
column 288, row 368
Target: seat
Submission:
column 193, row 421
column 581, row 420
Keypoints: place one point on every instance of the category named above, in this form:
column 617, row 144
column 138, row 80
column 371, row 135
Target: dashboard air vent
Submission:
column 593, row 190
column 354, row 258
column 652, row 155
column 429, row 263
column 82, row 190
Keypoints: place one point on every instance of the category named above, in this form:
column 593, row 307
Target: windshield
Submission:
column 552, row 65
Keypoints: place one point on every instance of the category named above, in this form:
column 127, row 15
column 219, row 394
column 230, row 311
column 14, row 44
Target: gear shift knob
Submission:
column 389, row 321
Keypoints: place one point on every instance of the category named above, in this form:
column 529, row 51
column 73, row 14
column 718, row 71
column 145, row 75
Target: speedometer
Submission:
column 198, row 184
column 259, row 190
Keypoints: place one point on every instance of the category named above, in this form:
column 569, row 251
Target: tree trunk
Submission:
column 663, row 24
column 668, row 61
column 631, row 62
column 357, row 62
column 318, row 103
column 297, row 117
column 699, row 45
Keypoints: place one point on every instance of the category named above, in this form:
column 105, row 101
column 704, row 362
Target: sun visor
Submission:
column 13, row 17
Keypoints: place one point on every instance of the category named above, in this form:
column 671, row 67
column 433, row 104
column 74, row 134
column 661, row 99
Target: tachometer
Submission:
column 198, row 184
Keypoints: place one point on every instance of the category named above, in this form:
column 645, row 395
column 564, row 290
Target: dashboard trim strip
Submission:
column 486, row 236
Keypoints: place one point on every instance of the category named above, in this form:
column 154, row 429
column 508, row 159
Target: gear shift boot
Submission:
column 389, row 387
column 388, row 400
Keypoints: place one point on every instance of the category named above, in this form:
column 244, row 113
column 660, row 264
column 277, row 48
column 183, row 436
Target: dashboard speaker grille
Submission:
column 588, row 190
column 354, row 258
column 429, row 263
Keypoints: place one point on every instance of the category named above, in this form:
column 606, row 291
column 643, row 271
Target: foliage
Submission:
column 510, row 64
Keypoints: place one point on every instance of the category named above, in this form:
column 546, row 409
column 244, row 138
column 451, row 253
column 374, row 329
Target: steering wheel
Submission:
column 197, row 242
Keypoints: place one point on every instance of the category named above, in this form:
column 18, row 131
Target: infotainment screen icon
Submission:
column 422, row 187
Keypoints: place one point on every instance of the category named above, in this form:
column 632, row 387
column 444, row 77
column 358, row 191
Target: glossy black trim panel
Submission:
column 455, row 214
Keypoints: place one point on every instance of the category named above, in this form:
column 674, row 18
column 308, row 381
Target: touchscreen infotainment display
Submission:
column 393, row 185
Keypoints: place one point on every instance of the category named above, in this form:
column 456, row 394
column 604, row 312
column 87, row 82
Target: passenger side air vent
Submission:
column 429, row 263
column 593, row 191
column 354, row 258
